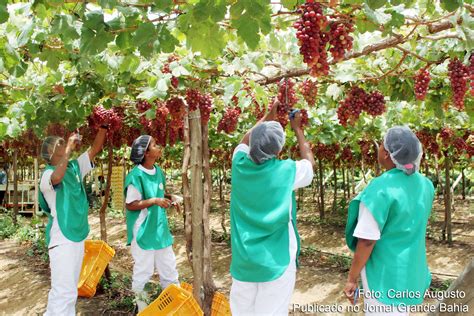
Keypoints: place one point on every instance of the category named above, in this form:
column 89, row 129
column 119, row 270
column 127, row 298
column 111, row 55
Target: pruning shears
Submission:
column 356, row 295
column 293, row 113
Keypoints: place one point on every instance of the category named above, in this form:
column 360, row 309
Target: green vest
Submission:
column 154, row 232
column 259, row 215
column 401, row 205
column 71, row 205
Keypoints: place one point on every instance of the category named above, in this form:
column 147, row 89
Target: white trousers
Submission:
column 263, row 298
column 147, row 261
column 65, row 262
column 373, row 307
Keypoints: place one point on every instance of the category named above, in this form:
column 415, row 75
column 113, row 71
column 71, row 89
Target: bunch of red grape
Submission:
column 220, row 157
column 351, row 107
column 175, row 131
column 146, row 123
column 471, row 72
column 469, row 140
column 311, row 37
column 346, row 155
column 229, row 120
column 422, row 82
column 161, row 114
column 160, row 136
column 176, row 108
column 3, row 149
column 428, row 140
column 193, row 98
column 287, row 98
column 142, row 106
column 286, row 95
column 258, row 111
column 196, row 99
column 129, row 134
column 166, row 70
column 326, row 152
column 368, row 151
column 205, row 106
column 460, row 145
column 445, row 135
column 158, row 126
column 309, row 90
column 101, row 116
column 340, row 39
column 458, row 75
column 375, row 104
column 28, row 144
column 56, row 129
column 304, row 118
column 357, row 101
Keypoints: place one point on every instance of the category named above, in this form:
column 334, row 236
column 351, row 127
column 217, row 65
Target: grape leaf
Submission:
column 3, row 11
column 62, row 25
column 249, row 18
column 375, row 4
column 289, row 4
column 450, row 5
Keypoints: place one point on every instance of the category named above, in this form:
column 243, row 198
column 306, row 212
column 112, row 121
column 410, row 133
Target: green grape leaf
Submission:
column 94, row 43
column 289, row 4
column 108, row 4
column 450, row 5
column 3, row 11
column 144, row 34
column 164, row 5
column 375, row 4
column 62, row 25
column 166, row 41
column 208, row 38
column 94, row 20
column 123, row 40
column 396, row 21
column 249, row 18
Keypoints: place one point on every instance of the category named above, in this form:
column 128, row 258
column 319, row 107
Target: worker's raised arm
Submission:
column 58, row 173
column 271, row 115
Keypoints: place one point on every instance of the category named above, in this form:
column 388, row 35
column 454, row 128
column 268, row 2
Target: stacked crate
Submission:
column 117, row 187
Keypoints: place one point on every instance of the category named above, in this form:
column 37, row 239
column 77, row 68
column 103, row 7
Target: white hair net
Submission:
column 266, row 141
column 139, row 147
column 48, row 146
column 404, row 147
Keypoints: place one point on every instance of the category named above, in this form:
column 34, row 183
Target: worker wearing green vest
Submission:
column 148, row 232
column 63, row 197
column 386, row 228
column 264, row 238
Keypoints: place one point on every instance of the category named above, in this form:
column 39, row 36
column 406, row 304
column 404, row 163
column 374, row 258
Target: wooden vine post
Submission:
column 321, row 189
column 15, row 186
column 186, row 189
column 197, row 197
column 447, row 231
column 334, row 201
column 105, row 203
column 36, row 181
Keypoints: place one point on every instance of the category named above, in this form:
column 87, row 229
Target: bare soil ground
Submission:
column 320, row 279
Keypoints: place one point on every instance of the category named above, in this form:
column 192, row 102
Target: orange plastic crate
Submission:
column 97, row 255
column 173, row 301
column 220, row 304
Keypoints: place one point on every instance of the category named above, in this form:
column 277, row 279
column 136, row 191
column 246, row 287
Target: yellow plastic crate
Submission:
column 173, row 301
column 220, row 304
column 97, row 255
